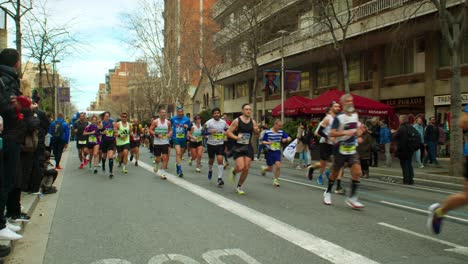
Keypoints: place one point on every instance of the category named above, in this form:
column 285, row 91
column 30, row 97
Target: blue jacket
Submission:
column 66, row 129
column 420, row 130
column 385, row 135
column 178, row 126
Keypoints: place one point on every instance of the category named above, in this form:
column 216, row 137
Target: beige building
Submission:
column 400, row 61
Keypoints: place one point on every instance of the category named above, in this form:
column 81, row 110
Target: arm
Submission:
column 256, row 129
column 51, row 127
column 189, row 134
column 286, row 138
column 169, row 132
column 154, row 124
column 265, row 140
column 116, row 129
column 232, row 128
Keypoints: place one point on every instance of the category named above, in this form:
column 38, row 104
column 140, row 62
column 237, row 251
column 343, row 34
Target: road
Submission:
column 137, row 218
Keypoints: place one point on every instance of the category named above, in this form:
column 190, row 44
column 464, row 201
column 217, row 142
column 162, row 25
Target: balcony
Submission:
column 221, row 6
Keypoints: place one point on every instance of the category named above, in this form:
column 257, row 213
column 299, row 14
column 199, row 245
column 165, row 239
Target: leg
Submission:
column 245, row 170
column 96, row 155
column 199, row 151
column 110, row 154
column 404, row 170
column 456, row 200
column 220, row 159
column 179, row 152
column 277, row 169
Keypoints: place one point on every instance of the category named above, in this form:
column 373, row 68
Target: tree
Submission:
column 336, row 17
column 16, row 9
column 453, row 24
column 146, row 96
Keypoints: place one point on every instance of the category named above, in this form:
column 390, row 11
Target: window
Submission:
column 354, row 68
column 305, row 83
column 444, row 56
column 327, row 76
column 228, row 92
column 399, row 60
column 241, row 90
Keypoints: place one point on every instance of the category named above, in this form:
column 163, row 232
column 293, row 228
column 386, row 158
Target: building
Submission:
column 118, row 79
column 3, row 30
column 391, row 58
column 189, row 27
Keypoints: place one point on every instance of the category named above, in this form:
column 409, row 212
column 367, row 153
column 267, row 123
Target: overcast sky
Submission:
column 97, row 22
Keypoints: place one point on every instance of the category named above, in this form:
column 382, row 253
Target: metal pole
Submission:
column 55, row 91
column 282, row 77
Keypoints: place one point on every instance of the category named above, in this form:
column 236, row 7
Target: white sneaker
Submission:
column 421, row 167
column 7, row 234
column 13, row 228
column 327, row 198
column 264, row 169
column 354, row 202
column 298, row 167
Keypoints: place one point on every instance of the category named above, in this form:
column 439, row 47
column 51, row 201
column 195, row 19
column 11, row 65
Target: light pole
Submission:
column 54, row 81
column 283, row 33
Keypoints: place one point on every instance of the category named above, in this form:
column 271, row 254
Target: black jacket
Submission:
column 431, row 134
column 401, row 138
column 9, row 86
column 43, row 127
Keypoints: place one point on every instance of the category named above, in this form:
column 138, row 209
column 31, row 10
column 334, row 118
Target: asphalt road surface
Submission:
column 137, row 218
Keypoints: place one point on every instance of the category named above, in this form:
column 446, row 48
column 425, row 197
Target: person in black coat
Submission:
column 403, row 152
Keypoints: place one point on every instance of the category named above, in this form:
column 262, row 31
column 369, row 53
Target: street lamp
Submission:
column 54, row 81
column 283, row 33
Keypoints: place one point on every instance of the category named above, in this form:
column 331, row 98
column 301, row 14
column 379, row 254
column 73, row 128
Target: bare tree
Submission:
column 16, row 9
column 146, row 96
column 453, row 24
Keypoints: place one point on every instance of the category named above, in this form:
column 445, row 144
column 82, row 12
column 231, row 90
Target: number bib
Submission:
column 82, row 142
column 180, row 135
column 92, row 139
column 218, row 136
column 275, row 146
column 347, row 148
column 109, row 132
column 244, row 140
column 136, row 137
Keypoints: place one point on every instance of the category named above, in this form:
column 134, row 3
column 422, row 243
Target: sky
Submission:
column 98, row 23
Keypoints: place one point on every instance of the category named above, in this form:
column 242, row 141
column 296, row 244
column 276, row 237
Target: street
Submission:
column 138, row 218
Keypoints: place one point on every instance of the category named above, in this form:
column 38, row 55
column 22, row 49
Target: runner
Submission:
column 241, row 131
column 93, row 135
column 161, row 130
column 180, row 125
column 216, row 128
column 107, row 143
column 227, row 141
column 346, row 130
column 79, row 127
column 136, row 135
column 196, row 145
column 437, row 211
column 272, row 139
column 122, row 129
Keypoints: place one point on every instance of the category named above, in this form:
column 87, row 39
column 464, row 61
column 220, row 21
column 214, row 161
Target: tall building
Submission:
column 118, row 79
column 3, row 30
column 392, row 58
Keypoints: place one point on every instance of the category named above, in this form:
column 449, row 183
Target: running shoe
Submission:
column 13, row 227
column 232, row 176
column 22, row 217
column 85, row 162
column 340, row 190
column 124, row 170
column 117, row 159
column 163, row 177
column 239, row 191
column 89, row 165
column 81, row 166
column 58, row 167
column 111, row 176
column 197, row 169
column 155, row 168
column 434, row 221
column 320, row 180
column 354, row 202
column 131, row 157
column 210, row 175
column 136, row 163
column 190, row 162
column 183, row 158
column 264, row 169
column 220, row 182
column 327, row 198
column 310, row 172
column 276, row 182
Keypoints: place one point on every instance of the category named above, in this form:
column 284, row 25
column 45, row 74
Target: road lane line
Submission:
column 423, row 211
column 455, row 247
column 307, row 241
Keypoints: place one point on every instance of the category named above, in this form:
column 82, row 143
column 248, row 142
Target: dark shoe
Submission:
column 4, row 251
column 131, row 157
column 22, row 217
column 136, row 163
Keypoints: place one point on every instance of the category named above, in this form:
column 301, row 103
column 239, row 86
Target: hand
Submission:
column 349, row 132
column 240, row 136
column 13, row 101
column 185, row 126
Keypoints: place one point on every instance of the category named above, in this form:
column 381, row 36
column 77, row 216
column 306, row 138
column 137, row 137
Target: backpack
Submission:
column 305, row 138
column 58, row 131
column 30, row 141
column 414, row 139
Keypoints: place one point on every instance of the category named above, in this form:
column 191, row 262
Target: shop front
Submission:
column 407, row 106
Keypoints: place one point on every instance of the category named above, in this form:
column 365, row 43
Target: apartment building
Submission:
column 118, row 78
column 392, row 57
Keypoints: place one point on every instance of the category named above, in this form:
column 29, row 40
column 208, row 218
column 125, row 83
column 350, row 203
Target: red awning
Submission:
column 363, row 105
column 293, row 106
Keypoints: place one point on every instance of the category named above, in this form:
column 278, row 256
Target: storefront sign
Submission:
column 405, row 102
column 445, row 99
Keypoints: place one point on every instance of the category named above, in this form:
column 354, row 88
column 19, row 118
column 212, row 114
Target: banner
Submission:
column 293, row 80
column 63, row 94
column 271, row 80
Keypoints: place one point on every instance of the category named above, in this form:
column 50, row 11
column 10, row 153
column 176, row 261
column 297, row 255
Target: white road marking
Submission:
column 160, row 259
column 213, row 257
column 111, row 261
column 456, row 248
column 423, row 211
column 307, row 241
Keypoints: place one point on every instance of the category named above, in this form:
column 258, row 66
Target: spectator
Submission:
column 403, row 152
column 386, row 140
column 260, row 145
column 364, row 150
column 431, row 139
column 302, row 146
column 418, row 154
column 60, row 136
column 375, row 133
column 49, row 176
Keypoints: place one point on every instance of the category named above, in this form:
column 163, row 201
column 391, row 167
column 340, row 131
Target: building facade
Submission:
column 392, row 58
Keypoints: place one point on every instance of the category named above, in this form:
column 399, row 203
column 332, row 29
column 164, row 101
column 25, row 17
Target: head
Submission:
column 180, row 111
column 135, row 121
column 94, row 119
column 60, row 115
column 403, row 119
column 277, row 125
column 432, row 120
column 334, row 108
column 106, row 116
column 162, row 113
column 246, row 110
column 347, row 102
column 9, row 57
column 303, row 124
column 225, row 116
column 419, row 120
column 197, row 119
column 216, row 113
column 82, row 117
column 124, row 117
column 375, row 121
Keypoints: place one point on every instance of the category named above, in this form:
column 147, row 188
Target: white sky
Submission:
column 97, row 22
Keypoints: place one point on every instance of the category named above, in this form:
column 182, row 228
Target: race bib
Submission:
column 82, row 142
column 244, row 140
column 180, row 135
column 136, row 137
column 275, row 146
column 92, row 139
column 218, row 136
column 347, row 148
column 109, row 132
column 163, row 136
